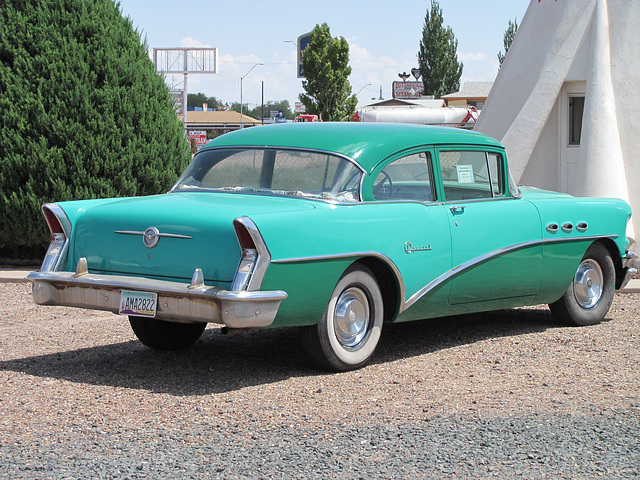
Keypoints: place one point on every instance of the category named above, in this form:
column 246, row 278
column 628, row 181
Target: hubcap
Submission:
column 351, row 317
column 588, row 284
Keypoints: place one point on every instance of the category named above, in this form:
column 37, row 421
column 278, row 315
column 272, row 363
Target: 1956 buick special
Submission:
column 335, row 229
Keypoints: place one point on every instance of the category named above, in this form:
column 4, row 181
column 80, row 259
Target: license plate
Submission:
column 142, row 304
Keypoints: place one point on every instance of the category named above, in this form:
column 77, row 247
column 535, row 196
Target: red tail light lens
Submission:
column 54, row 223
column 244, row 238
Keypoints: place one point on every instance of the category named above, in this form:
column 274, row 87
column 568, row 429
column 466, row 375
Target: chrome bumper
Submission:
column 627, row 268
column 177, row 302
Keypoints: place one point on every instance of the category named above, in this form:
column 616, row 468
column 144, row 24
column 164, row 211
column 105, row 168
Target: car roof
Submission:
column 367, row 143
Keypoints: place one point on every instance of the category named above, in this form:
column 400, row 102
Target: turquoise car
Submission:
column 335, row 229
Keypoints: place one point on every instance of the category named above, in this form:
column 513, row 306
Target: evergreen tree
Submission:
column 438, row 55
column 509, row 35
column 84, row 114
column 325, row 65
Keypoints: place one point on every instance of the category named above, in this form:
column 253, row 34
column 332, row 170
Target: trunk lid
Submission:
column 201, row 225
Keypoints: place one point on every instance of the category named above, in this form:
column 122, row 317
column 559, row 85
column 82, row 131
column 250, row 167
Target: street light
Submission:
column 367, row 85
column 242, row 78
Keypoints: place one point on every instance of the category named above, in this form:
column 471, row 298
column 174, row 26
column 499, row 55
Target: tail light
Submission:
column 255, row 256
column 53, row 222
column 60, row 227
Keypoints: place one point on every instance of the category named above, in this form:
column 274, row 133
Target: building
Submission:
column 473, row 94
column 564, row 102
column 218, row 121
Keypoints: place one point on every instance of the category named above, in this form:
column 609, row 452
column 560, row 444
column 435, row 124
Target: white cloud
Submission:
column 473, row 57
column 190, row 42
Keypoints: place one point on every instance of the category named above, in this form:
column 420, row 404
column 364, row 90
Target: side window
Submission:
column 469, row 175
column 495, row 168
column 407, row 178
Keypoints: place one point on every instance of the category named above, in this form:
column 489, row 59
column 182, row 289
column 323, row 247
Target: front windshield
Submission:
column 273, row 171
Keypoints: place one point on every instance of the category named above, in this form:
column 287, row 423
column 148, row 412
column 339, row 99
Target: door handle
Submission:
column 457, row 209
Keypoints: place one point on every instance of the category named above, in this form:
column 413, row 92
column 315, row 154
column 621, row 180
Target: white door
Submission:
column 570, row 109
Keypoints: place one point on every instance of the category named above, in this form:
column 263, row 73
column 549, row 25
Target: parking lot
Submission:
column 506, row 394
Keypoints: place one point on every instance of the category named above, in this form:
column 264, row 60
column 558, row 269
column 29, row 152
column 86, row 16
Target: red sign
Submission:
column 200, row 136
column 410, row 90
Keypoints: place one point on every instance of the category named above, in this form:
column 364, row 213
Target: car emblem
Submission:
column 408, row 248
column 151, row 236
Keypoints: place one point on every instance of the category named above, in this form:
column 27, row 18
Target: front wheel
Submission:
column 349, row 331
column 589, row 296
column 163, row 335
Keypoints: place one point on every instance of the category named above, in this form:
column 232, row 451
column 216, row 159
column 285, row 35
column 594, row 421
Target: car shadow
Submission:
column 221, row 363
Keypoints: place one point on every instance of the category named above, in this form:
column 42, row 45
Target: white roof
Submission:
column 472, row 90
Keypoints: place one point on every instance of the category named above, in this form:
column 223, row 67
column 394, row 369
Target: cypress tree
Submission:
column 83, row 114
column 438, row 55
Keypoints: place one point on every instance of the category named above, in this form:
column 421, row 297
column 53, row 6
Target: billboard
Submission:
column 186, row 60
column 303, row 42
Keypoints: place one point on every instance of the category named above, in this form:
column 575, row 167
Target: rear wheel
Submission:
column 163, row 335
column 349, row 331
column 589, row 296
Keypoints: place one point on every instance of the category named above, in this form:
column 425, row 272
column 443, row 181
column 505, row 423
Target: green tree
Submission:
column 197, row 99
column 509, row 35
column 84, row 114
column 281, row 105
column 325, row 65
column 438, row 56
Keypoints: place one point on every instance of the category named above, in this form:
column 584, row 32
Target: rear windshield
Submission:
column 286, row 172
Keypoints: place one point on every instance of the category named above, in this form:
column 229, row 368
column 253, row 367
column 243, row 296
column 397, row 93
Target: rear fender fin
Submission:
column 255, row 256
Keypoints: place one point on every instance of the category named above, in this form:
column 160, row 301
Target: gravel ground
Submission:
column 506, row 395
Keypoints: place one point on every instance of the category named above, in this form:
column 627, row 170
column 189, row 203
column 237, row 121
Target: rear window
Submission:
column 286, row 172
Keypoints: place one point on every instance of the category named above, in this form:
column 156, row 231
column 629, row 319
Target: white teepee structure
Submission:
column 566, row 102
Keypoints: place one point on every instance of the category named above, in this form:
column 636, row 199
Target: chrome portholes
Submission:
column 351, row 317
column 588, row 284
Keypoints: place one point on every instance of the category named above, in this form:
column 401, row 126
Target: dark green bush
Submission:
column 83, row 114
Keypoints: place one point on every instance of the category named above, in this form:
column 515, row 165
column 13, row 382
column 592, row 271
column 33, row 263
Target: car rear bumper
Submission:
column 177, row 302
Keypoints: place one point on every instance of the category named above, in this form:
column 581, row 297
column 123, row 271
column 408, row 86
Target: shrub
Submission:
column 83, row 114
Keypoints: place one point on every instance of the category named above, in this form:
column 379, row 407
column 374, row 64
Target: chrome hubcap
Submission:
column 351, row 317
column 588, row 284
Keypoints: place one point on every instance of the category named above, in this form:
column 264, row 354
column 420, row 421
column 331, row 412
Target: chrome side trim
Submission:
column 445, row 276
column 480, row 200
column 159, row 234
column 340, row 256
column 151, row 236
column 475, row 261
column 261, row 262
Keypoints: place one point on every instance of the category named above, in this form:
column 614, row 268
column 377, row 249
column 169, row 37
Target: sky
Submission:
column 383, row 36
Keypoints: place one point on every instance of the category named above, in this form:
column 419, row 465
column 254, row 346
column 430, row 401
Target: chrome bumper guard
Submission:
column 630, row 259
column 177, row 302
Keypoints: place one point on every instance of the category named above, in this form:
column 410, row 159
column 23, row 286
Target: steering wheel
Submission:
column 380, row 184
